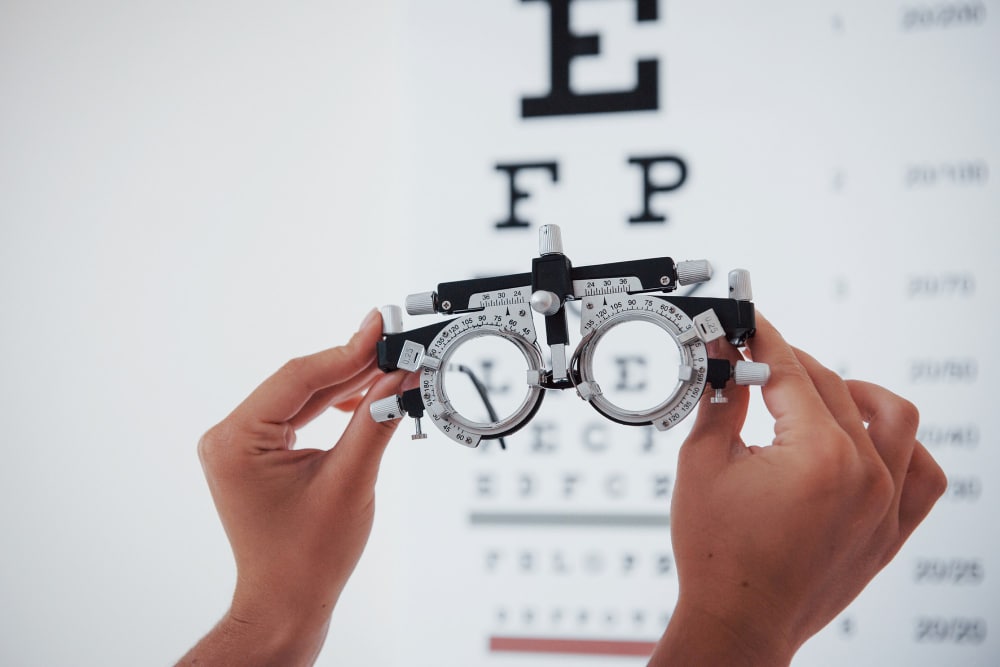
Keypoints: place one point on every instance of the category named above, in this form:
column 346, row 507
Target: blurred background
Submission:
column 193, row 192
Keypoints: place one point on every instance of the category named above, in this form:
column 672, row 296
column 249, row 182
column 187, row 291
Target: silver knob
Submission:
column 386, row 409
column 549, row 240
column 392, row 320
column 694, row 271
column 751, row 372
column 739, row 285
column 545, row 302
column 421, row 303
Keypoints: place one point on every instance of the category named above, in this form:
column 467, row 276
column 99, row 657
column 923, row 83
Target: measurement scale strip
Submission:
column 503, row 644
column 569, row 520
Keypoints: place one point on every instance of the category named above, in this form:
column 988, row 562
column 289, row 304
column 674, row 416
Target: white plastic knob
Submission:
column 751, row 373
column 694, row 271
column 392, row 320
column 421, row 303
column 549, row 240
column 739, row 285
column 386, row 409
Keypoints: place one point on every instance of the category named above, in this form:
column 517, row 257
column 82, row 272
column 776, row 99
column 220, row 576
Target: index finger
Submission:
column 790, row 395
column 282, row 396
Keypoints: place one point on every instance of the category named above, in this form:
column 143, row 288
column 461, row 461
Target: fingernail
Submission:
column 369, row 318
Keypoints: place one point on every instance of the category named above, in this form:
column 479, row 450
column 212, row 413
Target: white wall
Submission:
column 180, row 186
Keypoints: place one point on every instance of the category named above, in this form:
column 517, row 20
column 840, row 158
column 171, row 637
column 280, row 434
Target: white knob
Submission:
column 392, row 320
column 545, row 302
column 739, row 285
column 421, row 303
column 549, row 240
column 694, row 271
column 386, row 409
column 751, row 372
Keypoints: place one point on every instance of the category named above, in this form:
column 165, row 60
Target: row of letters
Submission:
column 589, row 563
column 655, row 486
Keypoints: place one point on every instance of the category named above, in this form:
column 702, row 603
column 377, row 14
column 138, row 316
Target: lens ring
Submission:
column 442, row 408
column 622, row 309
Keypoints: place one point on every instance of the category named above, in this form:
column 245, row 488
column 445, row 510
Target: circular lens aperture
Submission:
column 636, row 364
column 484, row 378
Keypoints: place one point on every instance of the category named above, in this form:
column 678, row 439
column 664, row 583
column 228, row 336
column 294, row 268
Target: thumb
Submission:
column 357, row 455
column 715, row 436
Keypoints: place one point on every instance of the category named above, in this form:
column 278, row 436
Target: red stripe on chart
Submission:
column 570, row 646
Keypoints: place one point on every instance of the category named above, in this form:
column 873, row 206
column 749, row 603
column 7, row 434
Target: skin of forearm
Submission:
column 234, row 641
column 695, row 637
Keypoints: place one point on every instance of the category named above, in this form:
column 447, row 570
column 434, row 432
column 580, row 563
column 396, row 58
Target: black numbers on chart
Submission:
column 958, row 630
column 944, row 370
column 956, row 571
column 965, row 489
column 968, row 172
column 953, row 436
column 943, row 15
column 946, row 285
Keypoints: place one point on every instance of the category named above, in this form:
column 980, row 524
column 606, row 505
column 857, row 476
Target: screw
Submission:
column 665, row 280
column 590, row 306
column 446, row 305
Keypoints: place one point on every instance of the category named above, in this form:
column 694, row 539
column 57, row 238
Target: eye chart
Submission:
column 843, row 153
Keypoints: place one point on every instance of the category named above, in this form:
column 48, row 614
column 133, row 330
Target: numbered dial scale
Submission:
column 612, row 298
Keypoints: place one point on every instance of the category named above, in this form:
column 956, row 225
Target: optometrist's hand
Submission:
column 297, row 519
column 771, row 543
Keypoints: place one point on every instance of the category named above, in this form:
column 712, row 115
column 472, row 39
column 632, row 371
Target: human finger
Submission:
column 924, row 483
column 351, row 404
column 358, row 453
column 892, row 426
column 716, row 430
column 789, row 394
column 348, row 392
column 838, row 399
column 284, row 394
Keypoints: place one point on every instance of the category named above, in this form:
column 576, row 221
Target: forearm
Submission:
column 697, row 638
column 234, row 641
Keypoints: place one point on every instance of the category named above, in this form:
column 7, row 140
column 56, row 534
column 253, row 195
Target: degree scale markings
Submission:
column 581, row 288
column 584, row 288
column 617, row 307
column 507, row 297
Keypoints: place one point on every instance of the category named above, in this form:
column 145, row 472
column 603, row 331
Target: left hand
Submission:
column 297, row 520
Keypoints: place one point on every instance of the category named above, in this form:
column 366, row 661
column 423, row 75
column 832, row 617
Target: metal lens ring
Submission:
column 515, row 328
column 603, row 314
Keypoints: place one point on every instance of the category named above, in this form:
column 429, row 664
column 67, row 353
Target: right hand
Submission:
column 771, row 543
